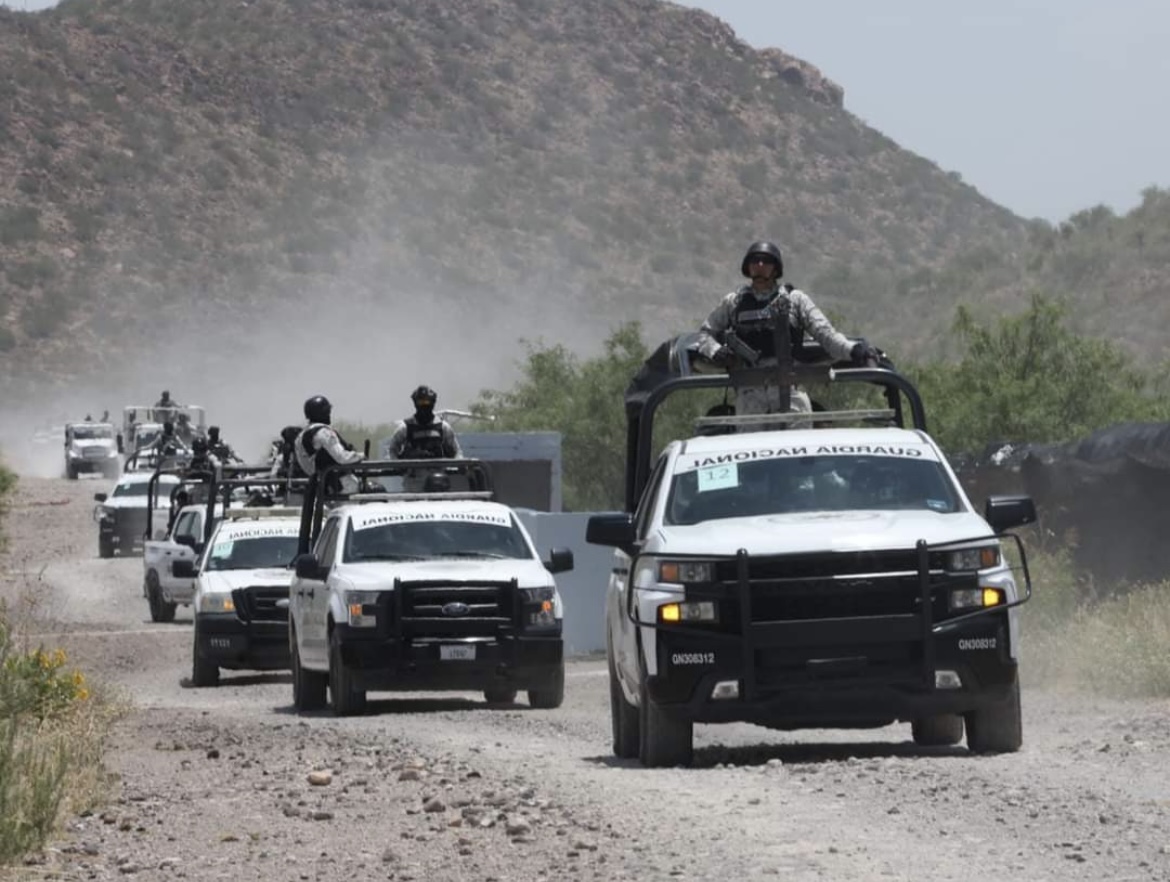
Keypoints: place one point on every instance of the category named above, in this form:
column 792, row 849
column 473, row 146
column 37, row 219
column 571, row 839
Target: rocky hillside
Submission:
column 528, row 167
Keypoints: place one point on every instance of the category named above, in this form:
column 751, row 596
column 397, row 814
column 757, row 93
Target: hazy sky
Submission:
column 1046, row 106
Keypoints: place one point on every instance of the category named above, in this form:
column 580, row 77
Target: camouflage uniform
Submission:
column 803, row 318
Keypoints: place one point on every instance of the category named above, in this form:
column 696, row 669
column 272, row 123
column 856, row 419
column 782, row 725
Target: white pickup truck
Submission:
column 163, row 590
column 425, row 593
column 808, row 578
column 241, row 593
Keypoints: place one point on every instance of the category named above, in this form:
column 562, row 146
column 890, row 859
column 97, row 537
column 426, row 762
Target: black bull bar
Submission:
column 895, row 627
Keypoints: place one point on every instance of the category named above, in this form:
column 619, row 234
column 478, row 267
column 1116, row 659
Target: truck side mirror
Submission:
column 183, row 568
column 100, row 497
column 560, row 560
column 307, row 566
column 1005, row 512
column 615, row 530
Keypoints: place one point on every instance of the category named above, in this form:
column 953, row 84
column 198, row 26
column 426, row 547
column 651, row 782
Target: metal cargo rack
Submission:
column 323, row 488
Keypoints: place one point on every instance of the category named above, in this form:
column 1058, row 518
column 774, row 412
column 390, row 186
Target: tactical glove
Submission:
column 863, row 354
column 722, row 357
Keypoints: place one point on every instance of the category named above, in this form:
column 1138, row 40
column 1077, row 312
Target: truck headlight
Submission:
column 965, row 559
column 217, row 603
column 690, row 611
column 540, row 609
column 975, row 598
column 685, row 571
column 358, row 604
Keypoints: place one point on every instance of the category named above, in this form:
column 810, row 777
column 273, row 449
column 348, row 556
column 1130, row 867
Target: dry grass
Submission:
column 1110, row 643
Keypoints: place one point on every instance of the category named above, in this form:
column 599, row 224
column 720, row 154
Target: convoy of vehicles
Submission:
column 808, row 578
column 790, row 570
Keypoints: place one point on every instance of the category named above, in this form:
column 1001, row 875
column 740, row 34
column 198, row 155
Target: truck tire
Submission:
column 998, row 727
column 663, row 741
column 623, row 719
column 160, row 610
column 345, row 698
column 552, row 693
column 105, row 546
column 204, row 672
column 70, row 472
column 308, row 686
column 941, row 731
column 499, row 695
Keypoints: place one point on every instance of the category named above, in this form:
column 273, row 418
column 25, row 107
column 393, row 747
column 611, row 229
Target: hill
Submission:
column 179, row 179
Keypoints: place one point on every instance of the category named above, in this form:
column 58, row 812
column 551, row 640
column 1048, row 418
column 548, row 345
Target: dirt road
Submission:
column 214, row 784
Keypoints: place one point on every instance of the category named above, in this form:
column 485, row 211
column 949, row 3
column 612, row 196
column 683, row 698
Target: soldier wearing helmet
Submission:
column 751, row 311
column 318, row 446
column 423, row 435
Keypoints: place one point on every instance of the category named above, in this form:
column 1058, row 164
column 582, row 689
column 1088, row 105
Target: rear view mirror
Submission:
column 1005, row 512
column 560, row 560
column 187, row 540
column 100, row 497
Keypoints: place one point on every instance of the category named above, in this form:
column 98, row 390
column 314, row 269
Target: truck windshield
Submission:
column 420, row 540
column 801, row 484
column 92, row 433
column 141, row 488
column 252, row 554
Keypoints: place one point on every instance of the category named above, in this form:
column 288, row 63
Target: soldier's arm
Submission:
column 331, row 442
column 716, row 325
column 451, row 443
column 817, row 326
column 396, row 442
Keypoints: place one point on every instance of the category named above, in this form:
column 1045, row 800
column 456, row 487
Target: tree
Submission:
column 1028, row 377
column 583, row 400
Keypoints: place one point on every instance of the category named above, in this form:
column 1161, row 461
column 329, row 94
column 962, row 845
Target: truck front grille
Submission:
column 261, row 603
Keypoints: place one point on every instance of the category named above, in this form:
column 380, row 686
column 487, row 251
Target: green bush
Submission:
column 53, row 730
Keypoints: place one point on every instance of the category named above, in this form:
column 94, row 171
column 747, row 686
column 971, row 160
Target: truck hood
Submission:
column 132, row 503
column 227, row 581
column 381, row 574
column 107, row 445
column 819, row 532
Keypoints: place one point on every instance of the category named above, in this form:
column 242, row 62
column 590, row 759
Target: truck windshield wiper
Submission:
column 361, row 557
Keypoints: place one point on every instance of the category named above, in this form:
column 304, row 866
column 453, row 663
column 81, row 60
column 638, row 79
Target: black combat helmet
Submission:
column 424, row 397
column 768, row 249
column 437, row 482
column 318, row 409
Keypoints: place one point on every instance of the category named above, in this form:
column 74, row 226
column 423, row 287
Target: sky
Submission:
column 1047, row 107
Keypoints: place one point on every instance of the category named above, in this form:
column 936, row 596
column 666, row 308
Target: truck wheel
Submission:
column 105, row 546
column 345, row 698
column 499, row 695
column 160, row 610
column 623, row 718
column 70, row 472
column 664, row 741
column 997, row 728
column 308, row 686
column 941, row 731
column 204, row 672
column 552, row 693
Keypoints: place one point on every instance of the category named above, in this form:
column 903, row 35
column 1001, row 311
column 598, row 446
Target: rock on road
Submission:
column 230, row 783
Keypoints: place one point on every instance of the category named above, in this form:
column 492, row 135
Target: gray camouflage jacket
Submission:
column 802, row 314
